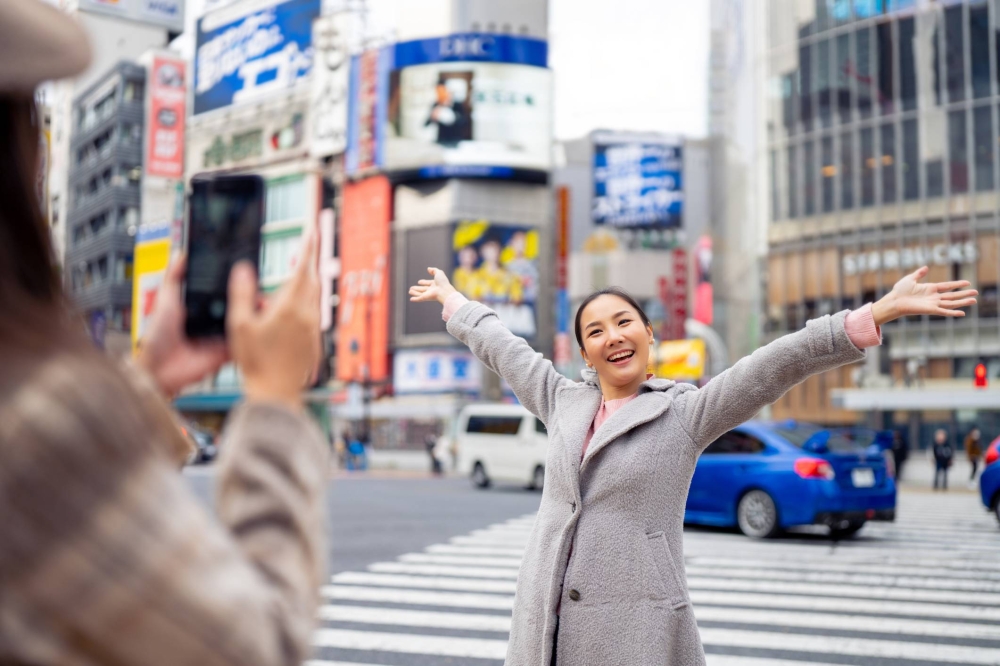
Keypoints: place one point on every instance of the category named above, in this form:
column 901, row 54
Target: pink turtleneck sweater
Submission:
column 860, row 326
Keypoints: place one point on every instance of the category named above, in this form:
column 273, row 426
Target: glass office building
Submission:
column 882, row 127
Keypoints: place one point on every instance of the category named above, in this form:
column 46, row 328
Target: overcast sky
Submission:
column 620, row 64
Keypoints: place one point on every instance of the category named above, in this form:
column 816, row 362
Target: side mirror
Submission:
column 818, row 443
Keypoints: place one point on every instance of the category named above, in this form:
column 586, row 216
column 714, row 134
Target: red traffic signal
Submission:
column 980, row 376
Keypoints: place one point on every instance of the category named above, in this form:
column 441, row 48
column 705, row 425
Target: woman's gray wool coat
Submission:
column 622, row 594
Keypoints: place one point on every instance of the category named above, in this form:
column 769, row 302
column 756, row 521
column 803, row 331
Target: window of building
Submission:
column 979, row 49
column 775, row 196
column 79, row 234
column 123, row 268
column 844, row 75
column 982, row 141
column 867, row 167
column 101, row 271
column 809, row 174
column 863, row 78
column 789, row 100
column 910, row 167
column 277, row 256
column 954, row 52
column 907, row 65
column 886, row 94
column 98, row 223
column 793, row 183
column 934, row 170
column 286, row 200
column 888, row 163
column 134, row 90
column 824, row 87
column 987, row 302
column 806, row 86
column 828, row 172
column 846, row 170
column 958, row 158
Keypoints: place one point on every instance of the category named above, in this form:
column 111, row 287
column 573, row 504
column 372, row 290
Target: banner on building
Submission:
column 430, row 371
column 251, row 50
column 166, row 110
column 368, row 91
column 681, row 359
column 151, row 256
column 638, row 183
column 498, row 266
column 330, row 84
column 167, row 14
column 363, row 311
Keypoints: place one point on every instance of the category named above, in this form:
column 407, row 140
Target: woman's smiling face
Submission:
column 616, row 343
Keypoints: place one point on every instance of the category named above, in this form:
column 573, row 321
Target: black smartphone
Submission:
column 224, row 221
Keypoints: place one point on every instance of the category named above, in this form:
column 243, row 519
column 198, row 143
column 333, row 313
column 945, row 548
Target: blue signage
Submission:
column 638, row 185
column 473, row 47
column 254, row 56
column 368, row 92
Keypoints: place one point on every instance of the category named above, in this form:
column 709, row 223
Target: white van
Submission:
column 499, row 442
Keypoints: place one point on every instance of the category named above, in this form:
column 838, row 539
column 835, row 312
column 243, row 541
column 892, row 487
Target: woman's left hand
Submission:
column 173, row 360
column 911, row 297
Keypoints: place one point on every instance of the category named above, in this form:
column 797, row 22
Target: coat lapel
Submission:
column 647, row 406
column 576, row 431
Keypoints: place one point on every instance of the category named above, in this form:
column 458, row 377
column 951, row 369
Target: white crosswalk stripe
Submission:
column 924, row 590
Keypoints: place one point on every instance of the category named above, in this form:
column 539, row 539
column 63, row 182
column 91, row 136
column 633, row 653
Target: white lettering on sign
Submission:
column 909, row 258
column 479, row 46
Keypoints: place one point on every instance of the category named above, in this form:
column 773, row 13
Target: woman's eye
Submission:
column 624, row 321
column 593, row 333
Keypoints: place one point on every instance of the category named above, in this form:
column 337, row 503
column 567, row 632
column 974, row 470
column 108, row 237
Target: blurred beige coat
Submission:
column 106, row 557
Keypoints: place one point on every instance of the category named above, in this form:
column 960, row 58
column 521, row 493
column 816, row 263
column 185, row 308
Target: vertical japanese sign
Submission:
column 561, row 352
column 368, row 110
column 330, row 81
column 165, row 124
column 677, row 294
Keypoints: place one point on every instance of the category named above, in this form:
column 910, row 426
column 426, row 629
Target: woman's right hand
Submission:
column 439, row 288
column 277, row 347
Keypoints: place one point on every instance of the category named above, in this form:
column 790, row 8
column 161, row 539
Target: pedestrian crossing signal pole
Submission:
column 980, row 376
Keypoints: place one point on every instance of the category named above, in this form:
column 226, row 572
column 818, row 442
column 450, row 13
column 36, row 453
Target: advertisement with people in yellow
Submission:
column 150, row 259
column 681, row 359
column 498, row 266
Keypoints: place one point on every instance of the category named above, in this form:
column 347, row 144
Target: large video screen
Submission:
column 478, row 114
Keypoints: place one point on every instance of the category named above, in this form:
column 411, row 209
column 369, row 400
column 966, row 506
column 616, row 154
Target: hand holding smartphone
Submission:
column 224, row 227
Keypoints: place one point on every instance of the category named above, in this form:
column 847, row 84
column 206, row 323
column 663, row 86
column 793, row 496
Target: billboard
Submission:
column 167, row 14
column 252, row 50
column 363, row 312
column 428, row 371
column 638, row 184
column 498, row 266
column 330, row 84
column 166, row 110
column 368, row 85
column 681, row 359
column 151, row 256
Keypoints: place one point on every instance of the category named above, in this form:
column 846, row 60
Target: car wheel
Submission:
column 846, row 530
column 538, row 478
column 479, row 478
column 757, row 515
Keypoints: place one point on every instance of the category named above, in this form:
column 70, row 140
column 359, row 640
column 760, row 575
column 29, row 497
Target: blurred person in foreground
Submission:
column 106, row 557
column 943, row 456
column 974, row 451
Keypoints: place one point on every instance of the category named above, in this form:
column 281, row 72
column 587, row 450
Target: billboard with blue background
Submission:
column 638, row 183
column 243, row 56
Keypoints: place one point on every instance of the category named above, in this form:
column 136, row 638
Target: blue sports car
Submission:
column 989, row 482
column 763, row 477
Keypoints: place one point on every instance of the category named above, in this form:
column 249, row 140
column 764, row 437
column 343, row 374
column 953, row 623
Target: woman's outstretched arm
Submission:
column 761, row 378
column 532, row 377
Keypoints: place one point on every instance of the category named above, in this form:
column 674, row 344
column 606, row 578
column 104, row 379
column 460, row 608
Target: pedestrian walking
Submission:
column 974, row 451
column 900, row 451
column 602, row 579
column 943, row 457
column 106, row 556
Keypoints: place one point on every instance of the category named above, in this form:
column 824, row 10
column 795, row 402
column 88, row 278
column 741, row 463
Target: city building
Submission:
column 880, row 155
column 104, row 198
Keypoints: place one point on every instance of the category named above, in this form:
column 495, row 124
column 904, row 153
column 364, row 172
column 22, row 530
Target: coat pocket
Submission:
column 671, row 585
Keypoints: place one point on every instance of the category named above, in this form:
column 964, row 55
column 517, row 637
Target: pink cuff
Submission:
column 457, row 300
column 861, row 328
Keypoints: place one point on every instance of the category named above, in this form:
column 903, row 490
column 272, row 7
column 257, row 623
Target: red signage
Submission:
column 166, row 109
column 363, row 311
column 562, row 240
column 677, row 294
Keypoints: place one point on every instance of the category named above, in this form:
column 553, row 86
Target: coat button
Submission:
column 572, row 506
column 574, row 595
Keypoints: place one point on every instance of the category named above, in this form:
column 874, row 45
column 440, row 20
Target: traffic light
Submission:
column 980, row 375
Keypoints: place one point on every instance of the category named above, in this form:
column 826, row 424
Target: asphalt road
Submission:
column 423, row 574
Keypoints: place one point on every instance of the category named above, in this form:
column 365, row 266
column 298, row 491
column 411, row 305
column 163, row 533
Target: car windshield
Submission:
column 841, row 441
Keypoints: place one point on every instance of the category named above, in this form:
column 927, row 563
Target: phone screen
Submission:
column 226, row 214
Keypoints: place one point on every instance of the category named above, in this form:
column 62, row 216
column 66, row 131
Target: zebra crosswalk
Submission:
column 923, row 590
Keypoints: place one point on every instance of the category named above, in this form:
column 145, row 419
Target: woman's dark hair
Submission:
column 30, row 290
column 609, row 291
